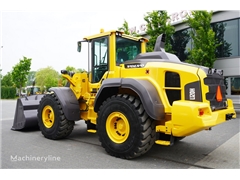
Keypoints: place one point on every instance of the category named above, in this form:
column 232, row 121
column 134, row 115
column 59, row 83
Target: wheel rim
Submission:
column 117, row 127
column 48, row 116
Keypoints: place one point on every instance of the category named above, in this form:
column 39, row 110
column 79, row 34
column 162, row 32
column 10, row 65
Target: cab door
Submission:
column 100, row 58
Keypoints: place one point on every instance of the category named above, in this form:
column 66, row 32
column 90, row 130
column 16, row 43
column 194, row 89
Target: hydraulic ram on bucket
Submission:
column 26, row 112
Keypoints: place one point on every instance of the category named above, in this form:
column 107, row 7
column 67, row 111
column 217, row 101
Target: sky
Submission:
column 48, row 31
column 50, row 38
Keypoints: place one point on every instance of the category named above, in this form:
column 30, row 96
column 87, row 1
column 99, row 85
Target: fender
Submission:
column 145, row 90
column 68, row 101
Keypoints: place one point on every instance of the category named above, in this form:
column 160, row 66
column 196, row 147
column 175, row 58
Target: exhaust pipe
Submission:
column 26, row 112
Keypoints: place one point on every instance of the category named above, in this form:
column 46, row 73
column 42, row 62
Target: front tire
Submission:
column 124, row 128
column 51, row 119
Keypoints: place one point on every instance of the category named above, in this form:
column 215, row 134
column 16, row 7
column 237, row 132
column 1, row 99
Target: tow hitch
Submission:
column 229, row 116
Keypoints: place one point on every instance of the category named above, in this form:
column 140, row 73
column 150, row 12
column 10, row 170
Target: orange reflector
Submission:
column 219, row 94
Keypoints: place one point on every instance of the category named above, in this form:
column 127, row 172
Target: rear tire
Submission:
column 51, row 119
column 124, row 128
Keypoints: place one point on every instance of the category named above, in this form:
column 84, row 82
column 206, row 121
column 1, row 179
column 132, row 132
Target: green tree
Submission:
column 71, row 69
column 81, row 70
column 46, row 78
column 7, row 80
column 203, row 37
column 125, row 29
column 20, row 72
column 157, row 23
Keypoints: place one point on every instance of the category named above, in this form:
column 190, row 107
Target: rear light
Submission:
column 201, row 112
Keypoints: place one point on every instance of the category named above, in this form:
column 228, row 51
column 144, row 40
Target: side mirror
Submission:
column 79, row 46
column 64, row 71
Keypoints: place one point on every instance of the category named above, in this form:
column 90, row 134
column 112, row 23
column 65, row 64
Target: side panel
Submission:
column 68, row 101
column 145, row 90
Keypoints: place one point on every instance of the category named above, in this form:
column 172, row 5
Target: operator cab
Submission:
column 115, row 45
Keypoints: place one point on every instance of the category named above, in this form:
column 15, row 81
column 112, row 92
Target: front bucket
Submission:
column 26, row 112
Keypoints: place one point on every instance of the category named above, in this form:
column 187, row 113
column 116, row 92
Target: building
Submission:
column 226, row 25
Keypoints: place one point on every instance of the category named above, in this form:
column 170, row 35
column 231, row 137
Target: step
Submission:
column 162, row 142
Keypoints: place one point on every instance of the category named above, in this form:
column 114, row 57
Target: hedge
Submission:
column 8, row 92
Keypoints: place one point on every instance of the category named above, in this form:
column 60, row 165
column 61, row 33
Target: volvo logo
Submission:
column 135, row 65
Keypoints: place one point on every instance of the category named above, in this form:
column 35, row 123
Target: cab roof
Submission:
column 102, row 33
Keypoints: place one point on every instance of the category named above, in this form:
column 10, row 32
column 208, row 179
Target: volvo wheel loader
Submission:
column 129, row 97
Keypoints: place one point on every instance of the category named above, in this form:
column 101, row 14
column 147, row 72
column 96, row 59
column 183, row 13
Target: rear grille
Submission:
column 213, row 81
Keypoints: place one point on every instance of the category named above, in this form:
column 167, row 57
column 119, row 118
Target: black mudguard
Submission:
column 69, row 102
column 145, row 90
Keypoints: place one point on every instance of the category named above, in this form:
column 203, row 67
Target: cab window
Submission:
column 99, row 58
column 126, row 49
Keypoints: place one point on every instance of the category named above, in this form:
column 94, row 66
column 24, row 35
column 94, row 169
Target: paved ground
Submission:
column 220, row 158
column 218, row 148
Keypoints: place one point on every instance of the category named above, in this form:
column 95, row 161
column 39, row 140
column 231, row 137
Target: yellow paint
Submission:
column 182, row 118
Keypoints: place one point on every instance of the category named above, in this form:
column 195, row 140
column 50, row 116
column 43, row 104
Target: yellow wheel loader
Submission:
column 131, row 98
